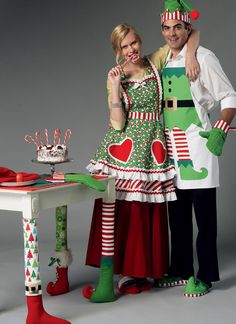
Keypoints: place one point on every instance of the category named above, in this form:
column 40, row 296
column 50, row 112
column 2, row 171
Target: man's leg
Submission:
column 206, row 218
column 181, row 230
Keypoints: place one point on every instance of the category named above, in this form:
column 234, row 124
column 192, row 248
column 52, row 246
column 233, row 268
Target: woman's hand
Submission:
column 114, row 75
column 192, row 67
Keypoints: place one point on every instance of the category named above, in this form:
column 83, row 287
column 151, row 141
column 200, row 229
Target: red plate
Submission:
column 17, row 184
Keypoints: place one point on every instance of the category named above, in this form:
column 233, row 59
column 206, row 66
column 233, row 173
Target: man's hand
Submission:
column 192, row 68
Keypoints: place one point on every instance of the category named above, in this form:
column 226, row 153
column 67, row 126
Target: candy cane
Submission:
column 30, row 139
column 38, row 138
column 123, row 62
column 57, row 134
column 232, row 128
column 46, row 136
column 67, row 135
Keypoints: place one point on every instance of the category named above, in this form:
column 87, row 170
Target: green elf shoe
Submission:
column 167, row 282
column 196, row 288
column 104, row 291
column 187, row 172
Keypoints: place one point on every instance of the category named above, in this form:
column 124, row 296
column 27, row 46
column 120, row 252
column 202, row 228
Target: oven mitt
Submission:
column 7, row 175
column 85, row 179
column 216, row 137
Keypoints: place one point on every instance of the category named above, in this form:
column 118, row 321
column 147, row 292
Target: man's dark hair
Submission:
column 186, row 25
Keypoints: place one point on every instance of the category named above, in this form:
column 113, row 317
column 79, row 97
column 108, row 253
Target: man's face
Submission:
column 175, row 34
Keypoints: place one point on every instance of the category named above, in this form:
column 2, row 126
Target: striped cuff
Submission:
column 222, row 125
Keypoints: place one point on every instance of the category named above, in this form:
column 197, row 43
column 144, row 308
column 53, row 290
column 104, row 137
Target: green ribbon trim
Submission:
column 108, row 261
column 185, row 163
column 53, row 261
column 170, row 72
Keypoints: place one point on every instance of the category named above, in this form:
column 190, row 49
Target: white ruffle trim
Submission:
column 151, row 198
column 167, row 174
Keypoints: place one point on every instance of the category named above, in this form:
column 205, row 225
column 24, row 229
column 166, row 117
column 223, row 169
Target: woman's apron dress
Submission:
column 137, row 156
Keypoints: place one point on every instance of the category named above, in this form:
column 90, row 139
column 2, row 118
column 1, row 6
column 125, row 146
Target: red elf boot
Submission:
column 61, row 285
column 37, row 313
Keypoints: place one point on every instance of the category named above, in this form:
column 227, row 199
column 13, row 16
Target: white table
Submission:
column 30, row 203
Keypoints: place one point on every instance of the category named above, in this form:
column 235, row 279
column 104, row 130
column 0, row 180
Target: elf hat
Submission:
column 178, row 10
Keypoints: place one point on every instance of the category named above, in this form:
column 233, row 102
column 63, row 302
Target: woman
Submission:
column 134, row 150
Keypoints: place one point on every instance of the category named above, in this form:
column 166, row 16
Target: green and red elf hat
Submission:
column 179, row 10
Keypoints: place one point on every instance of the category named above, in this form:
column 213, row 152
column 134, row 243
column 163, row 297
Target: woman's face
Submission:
column 130, row 45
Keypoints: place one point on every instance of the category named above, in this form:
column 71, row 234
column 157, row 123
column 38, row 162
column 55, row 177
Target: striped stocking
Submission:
column 169, row 145
column 104, row 291
column 181, row 145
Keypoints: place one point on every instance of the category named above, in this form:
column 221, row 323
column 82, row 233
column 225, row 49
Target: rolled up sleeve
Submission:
column 217, row 83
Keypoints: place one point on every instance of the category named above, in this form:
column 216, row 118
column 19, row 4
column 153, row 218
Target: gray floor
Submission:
column 164, row 306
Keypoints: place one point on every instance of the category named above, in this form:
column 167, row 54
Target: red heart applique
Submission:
column 158, row 152
column 121, row 152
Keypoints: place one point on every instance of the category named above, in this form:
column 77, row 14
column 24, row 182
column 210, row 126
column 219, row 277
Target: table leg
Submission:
column 33, row 286
column 62, row 256
column 104, row 291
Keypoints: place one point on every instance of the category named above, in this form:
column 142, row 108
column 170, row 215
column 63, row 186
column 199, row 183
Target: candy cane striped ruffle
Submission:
column 145, row 191
column 146, row 116
column 133, row 174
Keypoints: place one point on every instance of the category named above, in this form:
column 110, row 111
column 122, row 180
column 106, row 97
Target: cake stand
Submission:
column 52, row 164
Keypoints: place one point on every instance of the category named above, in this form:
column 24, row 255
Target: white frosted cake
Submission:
column 52, row 153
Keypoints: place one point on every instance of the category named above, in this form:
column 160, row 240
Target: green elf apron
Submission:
column 179, row 114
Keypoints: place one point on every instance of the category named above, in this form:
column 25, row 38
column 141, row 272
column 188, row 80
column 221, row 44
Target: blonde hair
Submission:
column 117, row 36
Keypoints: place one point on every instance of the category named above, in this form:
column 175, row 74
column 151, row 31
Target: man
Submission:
column 193, row 145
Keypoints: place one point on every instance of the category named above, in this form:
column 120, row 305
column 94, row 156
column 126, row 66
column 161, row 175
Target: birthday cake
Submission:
column 50, row 153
